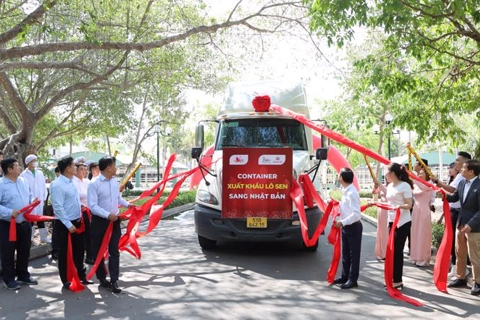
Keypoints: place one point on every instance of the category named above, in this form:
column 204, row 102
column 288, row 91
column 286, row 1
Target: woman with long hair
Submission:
column 421, row 231
column 399, row 195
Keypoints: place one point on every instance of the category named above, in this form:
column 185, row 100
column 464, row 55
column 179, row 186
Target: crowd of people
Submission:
column 85, row 198
column 415, row 201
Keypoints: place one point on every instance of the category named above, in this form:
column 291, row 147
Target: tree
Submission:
column 65, row 66
column 438, row 44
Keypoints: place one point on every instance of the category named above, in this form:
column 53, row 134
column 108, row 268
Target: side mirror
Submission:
column 196, row 152
column 199, row 136
column 321, row 154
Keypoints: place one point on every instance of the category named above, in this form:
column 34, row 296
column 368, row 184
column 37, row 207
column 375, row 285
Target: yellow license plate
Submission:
column 256, row 222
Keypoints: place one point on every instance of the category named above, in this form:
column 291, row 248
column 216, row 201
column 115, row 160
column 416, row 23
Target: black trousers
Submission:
column 99, row 227
column 78, row 250
column 351, row 247
column 55, row 242
column 400, row 237
column 88, row 237
column 10, row 269
column 454, row 217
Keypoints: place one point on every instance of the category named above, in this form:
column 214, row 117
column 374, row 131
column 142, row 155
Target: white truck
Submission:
column 244, row 195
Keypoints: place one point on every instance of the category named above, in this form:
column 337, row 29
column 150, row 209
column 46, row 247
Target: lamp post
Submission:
column 157, row 131
column 388, row 119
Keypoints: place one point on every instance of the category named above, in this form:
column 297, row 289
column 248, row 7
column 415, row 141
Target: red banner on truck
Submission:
column 256, row 183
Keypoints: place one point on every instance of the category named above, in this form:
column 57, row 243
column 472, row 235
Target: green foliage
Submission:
column 437, row 234
column 371, row 212
column 183, row 197
column 336, row 194
column 424, row 70
column 365, row 194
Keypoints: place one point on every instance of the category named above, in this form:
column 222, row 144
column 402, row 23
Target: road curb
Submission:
column 43, row 250
column 369, row 220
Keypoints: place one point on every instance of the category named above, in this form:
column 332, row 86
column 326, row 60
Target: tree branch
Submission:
column 78, row 86
column 32, row 18
column 15, row 98
column 38, row 65
column 18, row 52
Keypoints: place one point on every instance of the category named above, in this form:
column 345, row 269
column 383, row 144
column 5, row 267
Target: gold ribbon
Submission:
column 130, row 175
column 419, row 159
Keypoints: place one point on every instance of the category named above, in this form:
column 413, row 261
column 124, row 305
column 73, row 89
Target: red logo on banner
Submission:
column 256, row 183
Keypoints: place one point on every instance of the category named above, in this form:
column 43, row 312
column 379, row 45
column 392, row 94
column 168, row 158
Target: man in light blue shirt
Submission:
column 103, row 200
column 67, row 208
column 14, row 195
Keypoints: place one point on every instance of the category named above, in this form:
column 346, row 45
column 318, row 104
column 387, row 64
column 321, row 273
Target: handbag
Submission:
column 48, row 208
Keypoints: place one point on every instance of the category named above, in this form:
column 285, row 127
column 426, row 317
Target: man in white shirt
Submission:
column 81, row 183
column 38, row 188
column 352, row 229
column 104, row 197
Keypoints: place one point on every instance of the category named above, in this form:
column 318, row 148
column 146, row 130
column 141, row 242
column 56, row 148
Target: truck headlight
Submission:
column 206, row 197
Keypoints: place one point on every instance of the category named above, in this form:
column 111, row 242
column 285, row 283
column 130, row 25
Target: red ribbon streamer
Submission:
column 102, row 250
column 12, row 236
column 335, row 238
column 443, row 253
column 440, row 271
column 72, row 272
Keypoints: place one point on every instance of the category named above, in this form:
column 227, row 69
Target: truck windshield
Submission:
column 262, row 133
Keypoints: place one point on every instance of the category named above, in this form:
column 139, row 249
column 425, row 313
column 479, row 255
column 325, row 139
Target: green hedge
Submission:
column 437, row 234
column 183, row 197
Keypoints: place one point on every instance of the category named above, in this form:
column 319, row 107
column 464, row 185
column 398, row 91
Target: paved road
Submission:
column 177, row 280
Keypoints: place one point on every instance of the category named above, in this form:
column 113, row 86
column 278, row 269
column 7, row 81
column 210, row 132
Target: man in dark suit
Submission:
column 468, row 225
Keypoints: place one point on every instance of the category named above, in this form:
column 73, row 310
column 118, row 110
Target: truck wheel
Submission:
column 311, row 249
column 205, row 243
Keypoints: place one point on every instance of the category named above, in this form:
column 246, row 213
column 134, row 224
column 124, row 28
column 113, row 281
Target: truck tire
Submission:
column 206, row 243
column 311, row 249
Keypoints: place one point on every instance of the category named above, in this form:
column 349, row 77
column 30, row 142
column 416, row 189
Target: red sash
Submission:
column 440, row 271
column 335, row 238
column 72, row 272
column 12, row 236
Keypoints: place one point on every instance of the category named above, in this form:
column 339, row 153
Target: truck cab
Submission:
column 244, row 195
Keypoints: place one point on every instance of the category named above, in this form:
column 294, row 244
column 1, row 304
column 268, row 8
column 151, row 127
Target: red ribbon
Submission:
column 102, row 251
column 440, row 276
column 311, row 195
column 72, row 272
column 86, row 210
column 335, row 238
column 440, row 271
column 12, row 236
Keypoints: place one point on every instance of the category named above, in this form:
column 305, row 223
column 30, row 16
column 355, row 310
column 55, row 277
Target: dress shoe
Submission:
column 30, row 281
column 458, row 283
column 85, row 281
column 115, row 288
column 349, row 284
column 475, row 289
column 12, row 285
column 339, row 281
column 66, row 285
column 106, row 284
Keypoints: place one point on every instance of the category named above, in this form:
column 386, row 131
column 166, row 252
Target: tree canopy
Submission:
column 78, row 67
column 426, row 68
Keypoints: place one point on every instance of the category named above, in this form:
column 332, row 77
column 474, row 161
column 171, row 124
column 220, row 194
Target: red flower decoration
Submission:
column 261, row 103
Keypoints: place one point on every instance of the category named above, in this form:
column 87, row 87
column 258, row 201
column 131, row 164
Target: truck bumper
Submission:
column 209, row 224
